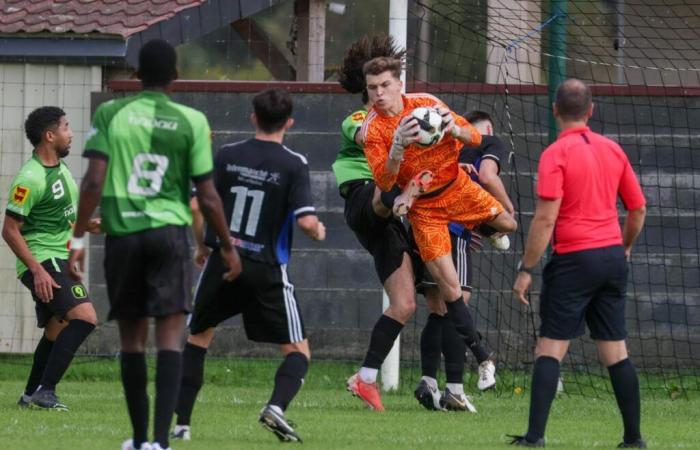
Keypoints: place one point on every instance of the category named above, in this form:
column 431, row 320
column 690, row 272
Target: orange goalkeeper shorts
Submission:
column 464, row 202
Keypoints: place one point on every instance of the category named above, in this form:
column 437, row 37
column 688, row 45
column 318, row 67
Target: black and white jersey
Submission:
column 491, row 148
column 265, row 187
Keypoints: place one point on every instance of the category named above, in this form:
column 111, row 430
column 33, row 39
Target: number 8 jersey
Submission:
column 265, row 187
column 153, row 146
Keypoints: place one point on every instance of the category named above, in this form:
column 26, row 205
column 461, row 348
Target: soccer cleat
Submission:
column 457, row 402
column 501, row 242
column 129, row 445
column 418, row 185
column 46, row 399
column 428, row 396
column 367, row 392
column 520, row 441
column 181, row 432
column 487, row 375
column 24, row 400
column 276, row 423
column 639, row 443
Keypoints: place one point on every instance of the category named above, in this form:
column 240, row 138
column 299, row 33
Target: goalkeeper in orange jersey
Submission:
column 389, row 134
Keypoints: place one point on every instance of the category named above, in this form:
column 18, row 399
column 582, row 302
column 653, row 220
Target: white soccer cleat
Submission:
column 129, row 445
column 457, row 402
column 156, row 446
column 487, row 375
column 501, row 242
column 181, row 432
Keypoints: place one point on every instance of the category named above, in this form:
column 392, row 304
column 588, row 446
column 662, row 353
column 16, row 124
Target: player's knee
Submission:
column 202, row 339
column 297, row 347
column 85, row 312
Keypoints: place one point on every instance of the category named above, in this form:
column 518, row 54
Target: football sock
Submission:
column 454, row 348
column 134, row 379
column 544, row 387
column 625, row 384
column 41, row 356
column 432, row 382
column 486, row 230
column 191, row 383
column 387, row 198
column 430, row 344
column 463, row 322
column 289, row 379
column 455, row 388
column 368, row 374
column 385, row 332
column 168, row 375
column 67, row 342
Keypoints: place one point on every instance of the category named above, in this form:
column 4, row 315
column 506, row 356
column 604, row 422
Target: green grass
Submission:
column 327, row 417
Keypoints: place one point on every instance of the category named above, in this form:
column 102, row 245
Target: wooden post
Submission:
column 311, row 23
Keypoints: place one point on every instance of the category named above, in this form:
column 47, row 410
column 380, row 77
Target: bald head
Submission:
column 573, row 101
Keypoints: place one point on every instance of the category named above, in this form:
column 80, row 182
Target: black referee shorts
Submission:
column 590, row 286
column 262, row 293
column 461, row 257
column 149, row 273
column 385, row 239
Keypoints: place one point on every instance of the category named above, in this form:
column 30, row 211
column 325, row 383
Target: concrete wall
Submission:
column 24, row 87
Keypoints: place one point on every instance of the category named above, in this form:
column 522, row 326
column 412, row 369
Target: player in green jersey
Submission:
column 144, row 150
column 37, row 227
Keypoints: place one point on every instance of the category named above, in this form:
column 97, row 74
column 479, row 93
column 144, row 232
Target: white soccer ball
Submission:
column 431, row 129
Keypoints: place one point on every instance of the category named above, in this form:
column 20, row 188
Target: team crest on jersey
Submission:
column 20, row 194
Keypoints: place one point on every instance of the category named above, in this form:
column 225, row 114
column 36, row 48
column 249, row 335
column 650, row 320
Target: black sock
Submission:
column 41, row 356
column 430, row 345
column 478, row 349
column 625, row 383
column 168, row 375
column 486, row 230
column 134, row 380
column 387, row 198
column 545, row 377
column 463, row 322
column 191, row 383
column 288, row 379
column 385, row 332
column 453, row 347
column 67, row 343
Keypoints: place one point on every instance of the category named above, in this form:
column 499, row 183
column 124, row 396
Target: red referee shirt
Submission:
column 587, row 171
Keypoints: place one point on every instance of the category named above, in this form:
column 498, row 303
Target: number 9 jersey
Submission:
column 154, row 147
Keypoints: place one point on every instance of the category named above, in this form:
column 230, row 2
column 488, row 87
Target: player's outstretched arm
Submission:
column 312, row 227
column 458, row 127
column 213, row 212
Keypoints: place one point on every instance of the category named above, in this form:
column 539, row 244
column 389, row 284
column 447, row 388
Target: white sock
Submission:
column 455, row 388
column 277, row 409
column 432, row 382
column 368, row 375
column 179, row 428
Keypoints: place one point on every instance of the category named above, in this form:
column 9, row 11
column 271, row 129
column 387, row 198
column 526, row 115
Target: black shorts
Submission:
column 68, row 296
column 588, row 285
column 149, row 273
column 262, row 293
column 385, row 239
column 461, row 257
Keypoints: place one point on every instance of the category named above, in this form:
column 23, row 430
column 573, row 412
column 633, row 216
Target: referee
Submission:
column 579, row 179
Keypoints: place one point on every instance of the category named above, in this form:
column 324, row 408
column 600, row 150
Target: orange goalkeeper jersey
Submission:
column 441, row 159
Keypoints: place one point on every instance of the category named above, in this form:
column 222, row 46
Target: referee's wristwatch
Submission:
column 521, row 268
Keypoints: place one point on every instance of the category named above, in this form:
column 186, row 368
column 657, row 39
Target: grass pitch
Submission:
column 327, row 417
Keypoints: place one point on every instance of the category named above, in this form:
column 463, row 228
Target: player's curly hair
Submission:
column 351, row 77
column 40, row 120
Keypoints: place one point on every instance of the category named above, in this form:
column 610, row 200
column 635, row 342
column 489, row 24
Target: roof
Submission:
column 114, row 17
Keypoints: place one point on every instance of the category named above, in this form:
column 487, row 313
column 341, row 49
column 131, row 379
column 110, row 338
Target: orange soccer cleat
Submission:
column 367, row 392
column 417, row 186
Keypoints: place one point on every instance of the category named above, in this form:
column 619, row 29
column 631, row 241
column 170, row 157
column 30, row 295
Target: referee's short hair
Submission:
column 272, row 109
column 157, row 64
column 573, row 99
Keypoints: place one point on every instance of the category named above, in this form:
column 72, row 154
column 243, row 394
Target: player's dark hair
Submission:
column 272, row 109
column 478, row 116
column 383, row 64
column 351, row 76
column 157, row 64
column 40, row 120
column 573, row 99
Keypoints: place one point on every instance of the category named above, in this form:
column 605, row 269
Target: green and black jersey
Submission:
column 44, row 199
column 351, row 163
column 153, row 146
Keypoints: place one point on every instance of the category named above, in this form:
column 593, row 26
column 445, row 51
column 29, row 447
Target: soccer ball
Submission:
column 431, row 128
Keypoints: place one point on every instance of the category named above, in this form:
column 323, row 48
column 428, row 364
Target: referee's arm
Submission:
column 634, row 222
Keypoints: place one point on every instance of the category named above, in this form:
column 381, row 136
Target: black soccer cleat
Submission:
column 520, row 441
column 429, row 397
column 46, row 399
column 23, row 401
column 277, row 424
column 639, row 443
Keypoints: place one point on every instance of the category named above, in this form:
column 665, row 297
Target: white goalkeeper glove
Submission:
column 448, row 121
column 405, row 135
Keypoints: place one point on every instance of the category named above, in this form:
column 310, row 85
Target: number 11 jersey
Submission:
column 265, row 187
column 154, row 147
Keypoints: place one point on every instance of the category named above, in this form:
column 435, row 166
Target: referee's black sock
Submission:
column 134, row 379
column 545, row 377
column 430, row 345
column 67, row 343
column 385, row 332
column 41, row 356
column 168, row 375
column 453, row 347
column 288, row 379
column 463, row 322
column 625, row 383
column 191, row 383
